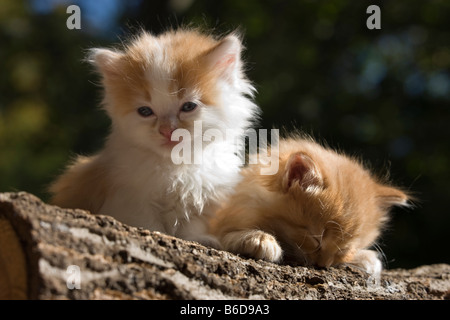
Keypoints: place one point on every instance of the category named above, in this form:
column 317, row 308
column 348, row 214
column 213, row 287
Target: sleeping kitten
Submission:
column 153, row 86
column 321, row 208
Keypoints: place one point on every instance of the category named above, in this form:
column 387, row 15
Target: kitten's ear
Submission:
column 225, row 57
column 301, row 171
column 390, row 196
column 106, row 61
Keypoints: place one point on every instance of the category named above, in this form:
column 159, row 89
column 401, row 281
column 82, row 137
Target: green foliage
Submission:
column 381, row 94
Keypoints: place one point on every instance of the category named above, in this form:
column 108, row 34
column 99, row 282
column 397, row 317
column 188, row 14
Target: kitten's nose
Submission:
column 166, row 132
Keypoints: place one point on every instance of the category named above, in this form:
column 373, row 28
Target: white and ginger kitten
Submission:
column 322, row 208
column 152, row 86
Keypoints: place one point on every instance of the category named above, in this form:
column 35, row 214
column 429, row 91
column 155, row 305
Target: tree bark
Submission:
column 51, row 253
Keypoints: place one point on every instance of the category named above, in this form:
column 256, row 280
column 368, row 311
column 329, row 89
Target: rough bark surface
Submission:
column 39, row 242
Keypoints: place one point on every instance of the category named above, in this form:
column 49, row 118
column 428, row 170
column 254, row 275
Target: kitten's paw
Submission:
column 368, row 260
column 253, row 243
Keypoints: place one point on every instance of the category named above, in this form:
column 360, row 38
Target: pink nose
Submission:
column 166, row 132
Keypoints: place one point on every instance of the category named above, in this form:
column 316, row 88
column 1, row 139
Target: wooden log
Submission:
column 51, row 253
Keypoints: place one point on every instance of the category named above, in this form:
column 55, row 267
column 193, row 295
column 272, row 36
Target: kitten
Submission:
column 321, row 208
column 153, row 86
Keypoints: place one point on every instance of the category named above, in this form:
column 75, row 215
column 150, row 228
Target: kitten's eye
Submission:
column 188, row 106
column 145, row 111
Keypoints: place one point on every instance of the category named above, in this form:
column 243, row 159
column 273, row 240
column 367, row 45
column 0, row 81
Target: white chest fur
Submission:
column 151, row 191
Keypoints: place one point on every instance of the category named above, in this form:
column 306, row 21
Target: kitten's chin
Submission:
column 164, row 149
column 169, row 145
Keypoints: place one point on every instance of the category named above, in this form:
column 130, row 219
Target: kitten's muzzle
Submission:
column 166, row 132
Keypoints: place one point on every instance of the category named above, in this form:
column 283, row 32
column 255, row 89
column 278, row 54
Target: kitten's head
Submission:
column 157, row 84
column 329, row 205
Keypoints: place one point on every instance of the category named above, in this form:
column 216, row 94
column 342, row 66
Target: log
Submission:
column 51, row 253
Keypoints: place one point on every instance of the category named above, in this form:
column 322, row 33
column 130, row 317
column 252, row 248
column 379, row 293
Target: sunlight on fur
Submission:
column 154, row 85
column 322, row 208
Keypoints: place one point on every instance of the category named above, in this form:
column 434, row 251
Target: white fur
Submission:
column 253, row 243
column 369, row 261
column 139, row 183
column 151, row 191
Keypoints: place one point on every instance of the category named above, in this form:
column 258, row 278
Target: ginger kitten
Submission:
column 155, row 86
column 321, row 208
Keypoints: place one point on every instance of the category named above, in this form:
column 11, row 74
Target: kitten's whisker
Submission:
column 299, row 253
column 303, row 241
column 340, row 229
column 321, row 239
column 163, row 92
column 175, row 93
column 381, row 253
column 339, row 248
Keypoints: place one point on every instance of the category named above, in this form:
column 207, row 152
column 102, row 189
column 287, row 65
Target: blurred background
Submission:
column 382, row 94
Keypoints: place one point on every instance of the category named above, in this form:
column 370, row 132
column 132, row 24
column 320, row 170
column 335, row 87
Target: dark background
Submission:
column 381, row 94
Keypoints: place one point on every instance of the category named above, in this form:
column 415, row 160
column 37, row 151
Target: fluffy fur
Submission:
column 321, row 208
column 134, row 178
